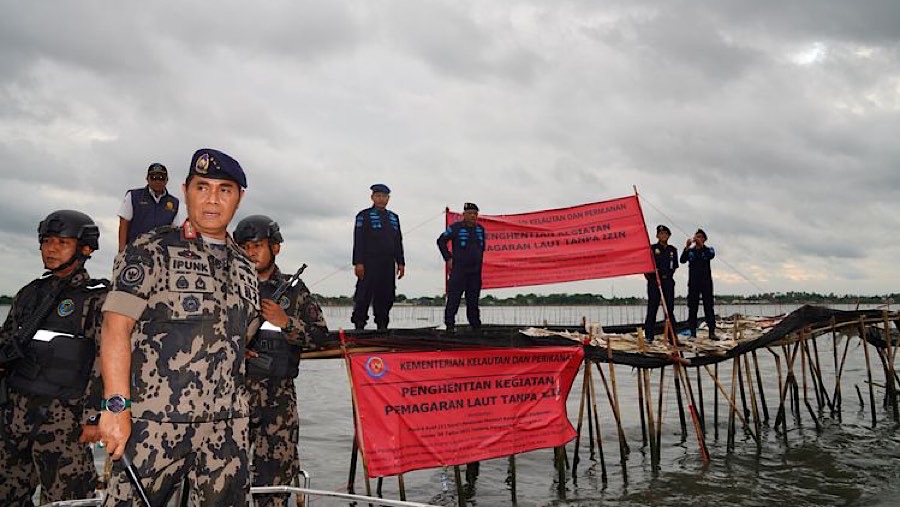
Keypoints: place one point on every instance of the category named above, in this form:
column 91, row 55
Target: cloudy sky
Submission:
column 772, row 126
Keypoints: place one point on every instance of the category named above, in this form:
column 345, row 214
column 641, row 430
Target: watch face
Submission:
column 115, row 404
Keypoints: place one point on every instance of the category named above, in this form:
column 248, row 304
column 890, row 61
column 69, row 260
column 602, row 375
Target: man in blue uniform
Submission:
column 148, row 207
column 49, row 373
column 665, row 257
column 377, row 259
column 700, row 283
column 464, row 265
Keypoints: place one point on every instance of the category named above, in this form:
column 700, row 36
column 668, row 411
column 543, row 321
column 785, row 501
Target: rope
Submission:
column 686, row 233
column 345, row 268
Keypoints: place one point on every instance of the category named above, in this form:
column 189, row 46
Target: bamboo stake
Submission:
column 593, row 399
column 762, row 392
column 680, row 408
column 890, row 373
column 590, row 419
column 659, row 418
column 640, row 388
column 756, row 422
column 460, row 490
column 817, row 369
column 402, row 485
column 729, row 446
column 838, row 396
column 702, row 405
column 560, row 472
column 862, row 336
column 645, row 375
column 584, row 392
column 512, row 481
column 803, row 359
column 731, row 403
column 740, row 380
column 623, row 445
column 715, row 401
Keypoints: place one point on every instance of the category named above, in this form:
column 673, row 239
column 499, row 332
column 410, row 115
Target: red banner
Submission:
column 427, row 409
column 585, row 242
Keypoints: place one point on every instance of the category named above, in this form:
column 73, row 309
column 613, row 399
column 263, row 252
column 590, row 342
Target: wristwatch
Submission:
column 115, row 404
column 288, row 328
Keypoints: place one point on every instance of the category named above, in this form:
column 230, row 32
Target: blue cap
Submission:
column 210, row 163
column 380, row 187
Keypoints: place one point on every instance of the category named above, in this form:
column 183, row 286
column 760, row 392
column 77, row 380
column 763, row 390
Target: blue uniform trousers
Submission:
column 468, row 282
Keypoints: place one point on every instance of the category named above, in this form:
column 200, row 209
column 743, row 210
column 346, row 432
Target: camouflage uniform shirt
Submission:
column 194, row 309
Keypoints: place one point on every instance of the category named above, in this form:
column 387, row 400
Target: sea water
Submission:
column 847, row 462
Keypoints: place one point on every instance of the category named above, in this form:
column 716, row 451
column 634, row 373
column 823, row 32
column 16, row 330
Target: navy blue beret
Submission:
column 663, row 228
column 210, row 163
column 380, row 187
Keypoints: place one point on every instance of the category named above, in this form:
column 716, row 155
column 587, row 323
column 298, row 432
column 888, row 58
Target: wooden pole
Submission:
column 729, row 446
column 584, row 392
column 862, row 336
column 803, row 359
column 593, row 399
column 640, row 388
column 762, row 392
column 891, row 371
column 460, row 490
column 645, row 375
column 659, row 418
column 702, row 404
column 756, row 422
column 613, row 403
column 715, row 401
column 402, row 486
column 680, row 408
column 512, row 479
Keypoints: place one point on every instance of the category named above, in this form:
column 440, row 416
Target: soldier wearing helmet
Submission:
column 293, row 323
column 48, row 357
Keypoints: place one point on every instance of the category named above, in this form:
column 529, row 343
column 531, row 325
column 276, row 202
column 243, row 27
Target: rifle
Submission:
column 264, row 361
column 14, row 348
column 287, row 284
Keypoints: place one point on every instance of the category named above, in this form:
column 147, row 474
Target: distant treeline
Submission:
column 598, row 299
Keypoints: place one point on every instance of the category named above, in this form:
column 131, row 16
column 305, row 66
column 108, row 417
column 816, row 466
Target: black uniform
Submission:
column 48, row 392
column 465, row 275
column 274, row 421
column 665, row 258
column 700, row 285
column 378, row 246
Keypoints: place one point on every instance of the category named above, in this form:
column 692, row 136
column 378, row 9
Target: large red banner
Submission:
column 597, row 240
column 427, row 409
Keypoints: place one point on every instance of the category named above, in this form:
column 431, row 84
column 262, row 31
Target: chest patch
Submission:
column 65, row 308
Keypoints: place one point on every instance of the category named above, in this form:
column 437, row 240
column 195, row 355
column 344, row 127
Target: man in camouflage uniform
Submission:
column 183, row 304
column 292, row 323
column 48, row 372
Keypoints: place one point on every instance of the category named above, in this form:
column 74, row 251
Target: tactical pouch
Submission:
column 260, row 366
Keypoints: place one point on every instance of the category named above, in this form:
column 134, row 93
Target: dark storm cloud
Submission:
column 771, row 125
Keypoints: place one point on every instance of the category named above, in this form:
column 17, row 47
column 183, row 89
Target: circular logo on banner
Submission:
column 375, row 367
column 132, row 275
column 65, row 308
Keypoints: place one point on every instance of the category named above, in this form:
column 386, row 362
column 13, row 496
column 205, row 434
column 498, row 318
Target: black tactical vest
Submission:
column 59, row 359
column 285, row 356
